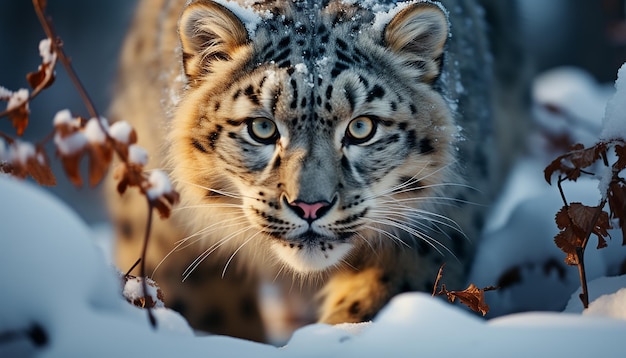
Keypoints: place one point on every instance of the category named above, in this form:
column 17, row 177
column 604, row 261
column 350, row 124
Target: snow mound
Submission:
column 62, row 299
column 615, row 115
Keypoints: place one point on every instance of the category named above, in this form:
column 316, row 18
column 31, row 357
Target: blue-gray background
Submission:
column 590, row 34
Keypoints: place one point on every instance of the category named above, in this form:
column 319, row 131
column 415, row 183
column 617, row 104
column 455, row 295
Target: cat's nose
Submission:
column 310, row 212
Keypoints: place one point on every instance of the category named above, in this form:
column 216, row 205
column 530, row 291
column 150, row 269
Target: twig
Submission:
column 132, row 267
column 439, row 276
column 57, row 45
column 142, row 268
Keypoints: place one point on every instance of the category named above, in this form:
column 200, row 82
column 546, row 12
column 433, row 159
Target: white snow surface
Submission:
column 55, row 279
column 615, row 116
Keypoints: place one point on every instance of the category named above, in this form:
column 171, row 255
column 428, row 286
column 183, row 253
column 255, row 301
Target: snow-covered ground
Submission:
column 60, row 297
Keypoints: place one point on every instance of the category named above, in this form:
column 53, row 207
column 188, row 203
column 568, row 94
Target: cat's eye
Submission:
column 360, row 130
column 263, row 130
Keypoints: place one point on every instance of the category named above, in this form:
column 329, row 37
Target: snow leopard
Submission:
column 340, row 150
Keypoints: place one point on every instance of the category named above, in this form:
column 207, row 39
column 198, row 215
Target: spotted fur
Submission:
column 322, row 144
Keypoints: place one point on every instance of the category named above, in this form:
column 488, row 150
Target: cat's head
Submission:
column 311, row 131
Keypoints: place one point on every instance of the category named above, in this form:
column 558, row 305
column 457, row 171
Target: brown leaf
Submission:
column 567, row 241
column 583, row 215
column 473, row 297
column 129, row 175
column 32, row 162
column 42, row 78
column 71, row 166
column 19, row 117
column 571, row 163
column 100, row 156
column 164, row 204
column 39, row 168
column 575, row 222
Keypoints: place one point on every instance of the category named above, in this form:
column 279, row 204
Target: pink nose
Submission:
column 309, row 211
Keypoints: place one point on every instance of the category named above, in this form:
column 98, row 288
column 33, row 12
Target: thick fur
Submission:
column 324, row 144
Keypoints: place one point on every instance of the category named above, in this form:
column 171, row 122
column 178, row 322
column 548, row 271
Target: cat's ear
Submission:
column 208, row 32
column 418, row 33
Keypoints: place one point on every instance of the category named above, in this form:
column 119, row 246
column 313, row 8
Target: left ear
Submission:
column 418, row 33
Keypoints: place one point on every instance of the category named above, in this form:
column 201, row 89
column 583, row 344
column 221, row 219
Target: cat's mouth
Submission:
column 312, row 252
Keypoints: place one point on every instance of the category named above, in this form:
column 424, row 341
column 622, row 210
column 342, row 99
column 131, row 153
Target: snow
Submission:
column 160, row 184
column 246, row 14
column 5, row 93
column 70, row 144
column 301, row 68
column 133, row 290
column 57, row 282
column 121, row 131
column 45, row 51
column 137, row 155
column 18, row 98
column 63, row 117
column 384, row 15
column 20, row 152
column 616, row 110
column 93, row 131
column 4, row 151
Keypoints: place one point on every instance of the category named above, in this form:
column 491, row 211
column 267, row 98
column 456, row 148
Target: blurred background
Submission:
column 587, row 34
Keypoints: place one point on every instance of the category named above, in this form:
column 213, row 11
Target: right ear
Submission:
column 208, row 32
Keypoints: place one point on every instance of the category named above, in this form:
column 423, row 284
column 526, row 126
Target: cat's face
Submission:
column 312, row 138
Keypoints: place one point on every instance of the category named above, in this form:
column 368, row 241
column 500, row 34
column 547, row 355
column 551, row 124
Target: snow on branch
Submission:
column 76, row 137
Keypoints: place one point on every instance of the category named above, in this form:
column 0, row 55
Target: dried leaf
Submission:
column 100, row 156
column 39, row 168
column 473, row 297
column 583, row 216
column 42, row 78
column 574, row 221
column 571, row 164
column 129, row 175
column 30, row 162
column 164, row 204
column 567, row 241
column 71, row 166
column 19, row 117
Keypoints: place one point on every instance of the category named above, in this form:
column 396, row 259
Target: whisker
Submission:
column 200, row 206
column 210, row 250
column 420, row 235
column 394, row 238
column 179, row 244
column 236, row 251
column 218, row 191
column 413, row 215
